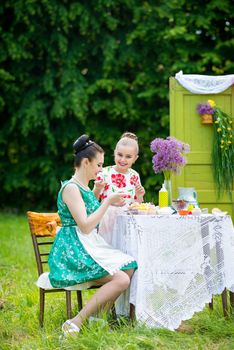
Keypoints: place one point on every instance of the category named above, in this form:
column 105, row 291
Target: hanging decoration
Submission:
column 206, row 111
column 223, row 146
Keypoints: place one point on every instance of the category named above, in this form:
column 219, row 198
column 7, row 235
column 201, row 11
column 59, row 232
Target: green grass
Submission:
column 19, row 311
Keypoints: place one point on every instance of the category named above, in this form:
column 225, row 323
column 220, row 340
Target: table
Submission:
column 182, row 262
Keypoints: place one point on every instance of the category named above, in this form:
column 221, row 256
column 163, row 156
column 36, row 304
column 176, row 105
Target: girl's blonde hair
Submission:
column 128, row 139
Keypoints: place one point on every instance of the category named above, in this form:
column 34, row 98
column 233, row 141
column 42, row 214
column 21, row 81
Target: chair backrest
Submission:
column 43, row 228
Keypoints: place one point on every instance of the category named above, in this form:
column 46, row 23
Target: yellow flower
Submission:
column 221, row 146
column 230, row 136
column 230, row 121
column 222, row 141
column 229, row 142
column 228, row 129
column 211, row 103
column 219, row 129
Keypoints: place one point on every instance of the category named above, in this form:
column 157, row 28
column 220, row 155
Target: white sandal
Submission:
column 69, row 328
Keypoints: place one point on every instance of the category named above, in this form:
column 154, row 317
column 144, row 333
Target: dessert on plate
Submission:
column 143, row 208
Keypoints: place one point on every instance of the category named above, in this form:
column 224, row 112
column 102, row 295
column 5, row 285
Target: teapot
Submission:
column 189, row 194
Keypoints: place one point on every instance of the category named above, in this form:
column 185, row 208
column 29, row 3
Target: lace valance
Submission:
column 204, row 84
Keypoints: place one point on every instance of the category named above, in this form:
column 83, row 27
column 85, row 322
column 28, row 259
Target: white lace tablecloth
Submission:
column 182, row 262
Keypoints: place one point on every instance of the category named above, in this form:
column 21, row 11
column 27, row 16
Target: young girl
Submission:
column 119, row 178
column 79, row 254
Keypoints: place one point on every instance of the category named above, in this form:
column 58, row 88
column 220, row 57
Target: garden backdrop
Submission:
column 99, row 67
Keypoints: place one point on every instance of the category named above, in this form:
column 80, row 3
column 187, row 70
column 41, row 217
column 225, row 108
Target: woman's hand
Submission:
column 139, row 192
column 117, row 198
column 100, row 184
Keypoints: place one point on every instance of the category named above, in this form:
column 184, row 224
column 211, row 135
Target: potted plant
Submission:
column 206, row 111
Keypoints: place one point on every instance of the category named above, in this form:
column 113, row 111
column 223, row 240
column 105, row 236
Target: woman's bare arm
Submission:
column 74, row 201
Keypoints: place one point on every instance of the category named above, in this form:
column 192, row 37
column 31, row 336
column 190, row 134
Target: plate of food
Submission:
column 142, row 208
column 218, row 212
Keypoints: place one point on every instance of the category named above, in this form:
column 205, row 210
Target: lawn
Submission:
column 19, row 310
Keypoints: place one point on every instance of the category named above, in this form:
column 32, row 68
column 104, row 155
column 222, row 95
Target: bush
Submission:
column 100, row 67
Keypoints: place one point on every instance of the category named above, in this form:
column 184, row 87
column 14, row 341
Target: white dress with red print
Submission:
column 116, row 182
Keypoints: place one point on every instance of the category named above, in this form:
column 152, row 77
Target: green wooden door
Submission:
column 185, row 125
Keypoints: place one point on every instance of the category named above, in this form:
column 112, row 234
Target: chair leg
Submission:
column 113, row 312
column 211, row 306
column 231, row 301
column 79, row 299
column 68, row 303
column 224, row 302
column 132, row 314
column 42, row 306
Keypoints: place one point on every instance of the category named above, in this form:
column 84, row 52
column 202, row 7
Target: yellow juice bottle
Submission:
column 163, row 197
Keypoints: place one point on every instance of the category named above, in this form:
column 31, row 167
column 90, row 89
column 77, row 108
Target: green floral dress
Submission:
column 69, row 261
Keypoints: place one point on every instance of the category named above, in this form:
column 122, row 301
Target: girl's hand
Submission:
column 139, row 191
column 117, row 199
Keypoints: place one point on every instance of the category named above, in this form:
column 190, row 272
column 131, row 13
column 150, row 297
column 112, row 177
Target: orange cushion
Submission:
column 43, row 224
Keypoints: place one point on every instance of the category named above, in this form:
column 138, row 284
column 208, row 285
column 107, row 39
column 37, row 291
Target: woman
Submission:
column 79, row 254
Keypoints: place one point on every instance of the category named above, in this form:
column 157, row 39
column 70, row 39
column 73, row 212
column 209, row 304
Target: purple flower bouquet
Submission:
column 168, row 156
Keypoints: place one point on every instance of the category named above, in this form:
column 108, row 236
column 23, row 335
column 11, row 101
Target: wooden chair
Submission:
column 43, row 227
column 43, row 230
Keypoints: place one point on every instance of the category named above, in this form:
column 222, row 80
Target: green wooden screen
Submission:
column 185, row 125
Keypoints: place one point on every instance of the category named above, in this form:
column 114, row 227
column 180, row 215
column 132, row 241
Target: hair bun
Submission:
column 129, row 135
column 81, row 143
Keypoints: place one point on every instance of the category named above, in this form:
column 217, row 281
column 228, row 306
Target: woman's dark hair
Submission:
column 85, row 148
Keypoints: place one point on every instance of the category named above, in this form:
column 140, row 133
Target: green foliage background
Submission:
column 99, row 67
